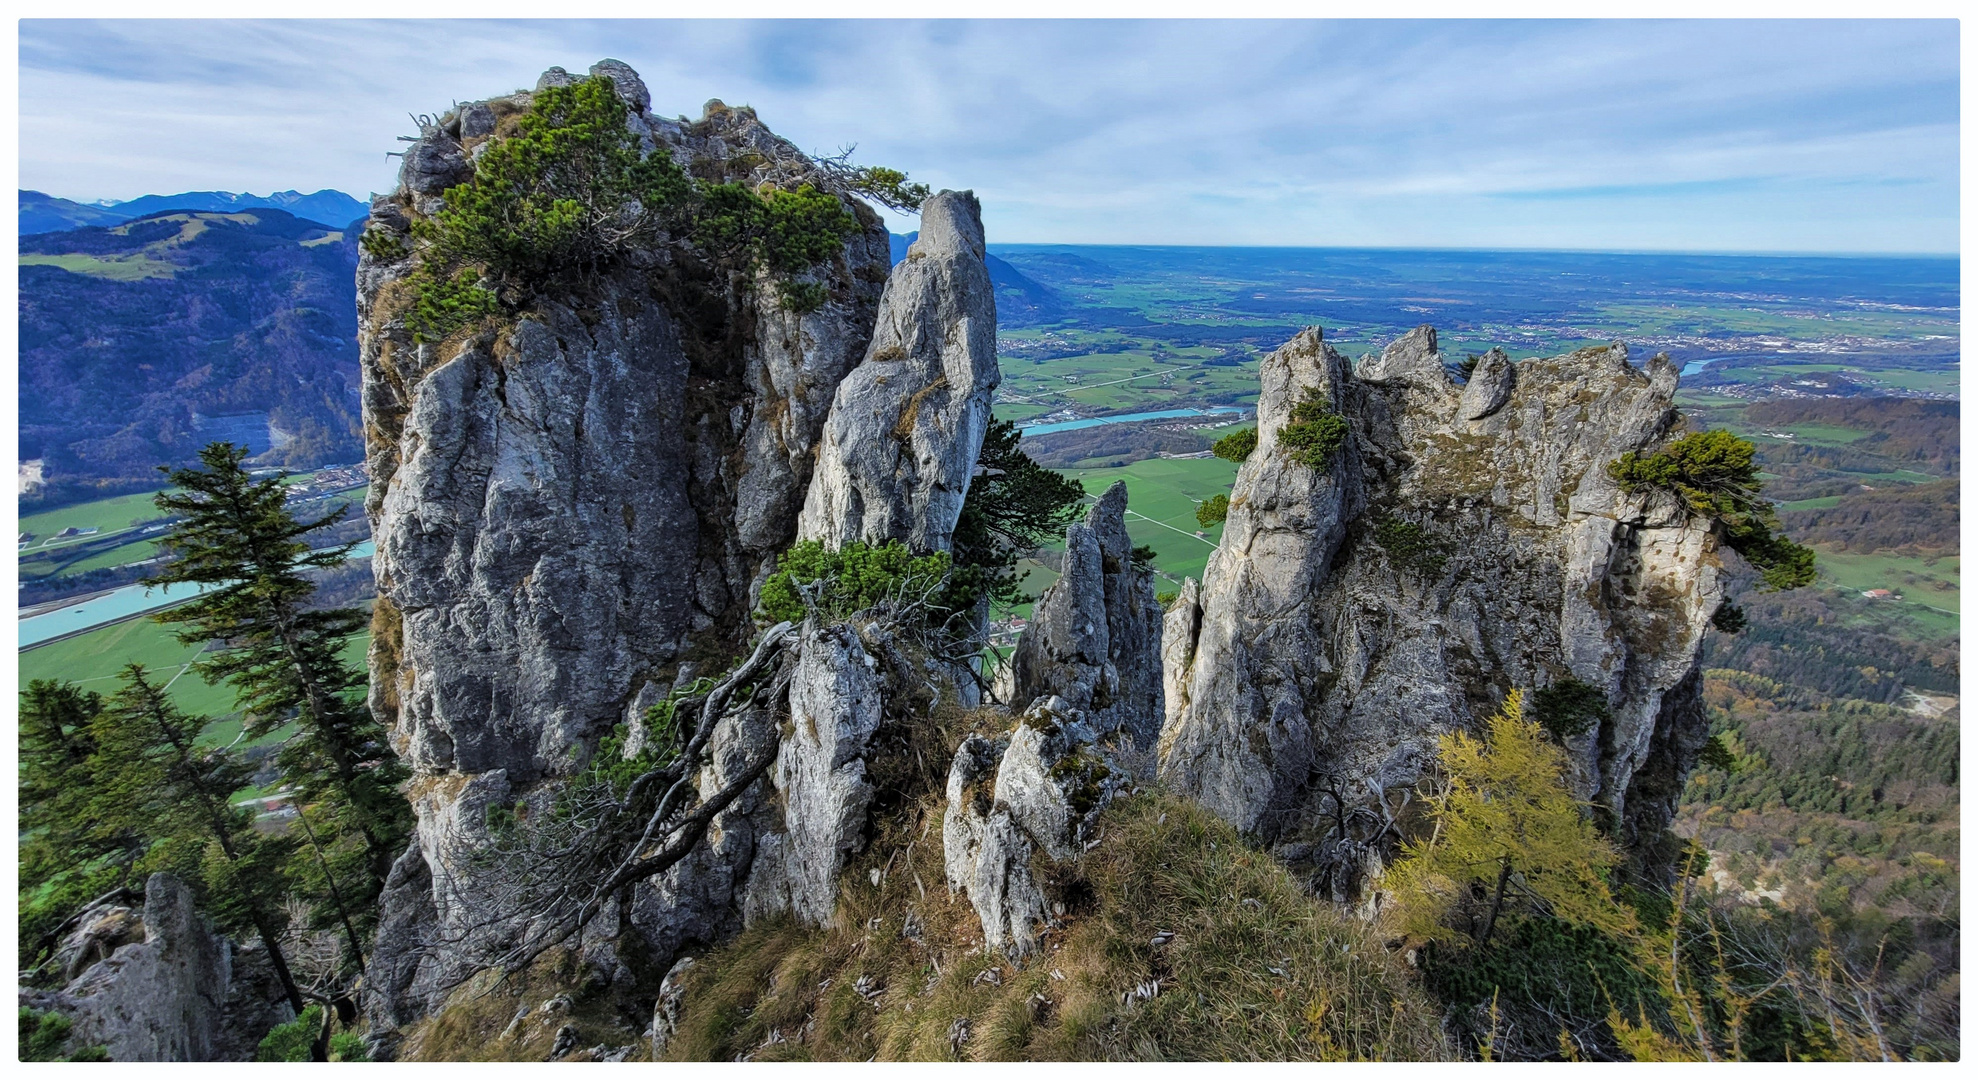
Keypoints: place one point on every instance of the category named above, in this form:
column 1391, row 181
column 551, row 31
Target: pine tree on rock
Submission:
column 237, row 536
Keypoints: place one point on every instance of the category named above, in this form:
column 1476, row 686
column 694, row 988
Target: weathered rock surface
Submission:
column 1037, row 791
column 820, row 775
column 100, row 932
column 902, row 437
column 1095, row 635
column 1314, row 664
column 1489, row 386
column 562, row 505
column 173, row 994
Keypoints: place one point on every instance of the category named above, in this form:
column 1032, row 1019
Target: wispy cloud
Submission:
column 1717, row 134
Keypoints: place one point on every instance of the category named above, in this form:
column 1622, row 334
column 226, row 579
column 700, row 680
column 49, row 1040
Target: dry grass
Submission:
column 478, row 1023
column 1256, row 969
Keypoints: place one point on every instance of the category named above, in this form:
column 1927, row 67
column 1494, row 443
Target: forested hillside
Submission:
column 135, row 337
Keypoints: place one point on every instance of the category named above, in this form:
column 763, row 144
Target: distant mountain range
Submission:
column 141, row 340
column 42, row 213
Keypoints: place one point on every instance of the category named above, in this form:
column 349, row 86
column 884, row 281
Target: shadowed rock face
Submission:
column 903, row 434
column 563, row 504
column 1463, row 542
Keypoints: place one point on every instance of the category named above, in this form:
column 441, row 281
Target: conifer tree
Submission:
column 147, row 760
column 237, row 536
column 1506, row 828
column 1014, row 505
column 73, row 847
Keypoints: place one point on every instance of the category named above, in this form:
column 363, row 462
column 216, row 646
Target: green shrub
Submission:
column 1545, row 974
column 383, row 245
column 1729, row 618
column 888, row 186
column 850, row 579
column 1410, row 545
column 1236, row 446
column 801, row 297
column 1212, row 511
column 1569, row 707
column 44, row 1035
column 1315, row 431
column 1715, row 474
column 291, row 1041
column 1143, row 556
column 443, row 305
column 569, row 193
column 348, row 1046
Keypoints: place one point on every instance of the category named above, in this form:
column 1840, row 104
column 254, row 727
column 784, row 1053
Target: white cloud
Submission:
column 1151, row 132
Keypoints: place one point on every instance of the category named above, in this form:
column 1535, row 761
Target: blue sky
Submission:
column 1716, row 136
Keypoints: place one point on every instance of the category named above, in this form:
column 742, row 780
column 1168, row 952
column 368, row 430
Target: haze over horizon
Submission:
column 1676, row 136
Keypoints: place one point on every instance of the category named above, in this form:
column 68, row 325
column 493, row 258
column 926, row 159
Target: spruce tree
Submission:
column 147, row 760
column 237, row 536
column 74, row 848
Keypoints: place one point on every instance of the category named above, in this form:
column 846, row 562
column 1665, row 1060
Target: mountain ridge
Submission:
column 41, row 212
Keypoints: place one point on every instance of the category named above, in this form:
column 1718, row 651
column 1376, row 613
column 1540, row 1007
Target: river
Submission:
column 1129, row 418
column 118, row 605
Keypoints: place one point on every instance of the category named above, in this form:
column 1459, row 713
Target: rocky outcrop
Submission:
column 1095, row 635
column 1489, row 386
column 563, row 505
column 170, row 989
column 1464, row 541
column 820, row 777
column 1037, row 791
column 901, row 440
column 99, row 933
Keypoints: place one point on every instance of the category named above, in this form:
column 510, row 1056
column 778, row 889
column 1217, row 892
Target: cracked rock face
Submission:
column 563, row 503
column 1095, row 635
column 1464, row 541
column 1038, row 791
column 903, row 433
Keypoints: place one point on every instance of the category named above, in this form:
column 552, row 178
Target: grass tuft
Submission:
column 1255, row 968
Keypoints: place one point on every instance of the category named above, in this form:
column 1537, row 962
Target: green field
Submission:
column 1925, row 382
column 1119, row 373
column 105, row 515
column 133, row 269
column 1929, row 587
column 109, row 517
column 95, row 660
column 1166, row 490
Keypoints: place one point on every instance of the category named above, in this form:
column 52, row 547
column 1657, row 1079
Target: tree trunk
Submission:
column 336, row 894
column 280, row 961
column 1496, row 903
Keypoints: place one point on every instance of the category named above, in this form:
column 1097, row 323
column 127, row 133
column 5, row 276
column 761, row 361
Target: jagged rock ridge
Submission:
column 1462, row 542
column 567, row 506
